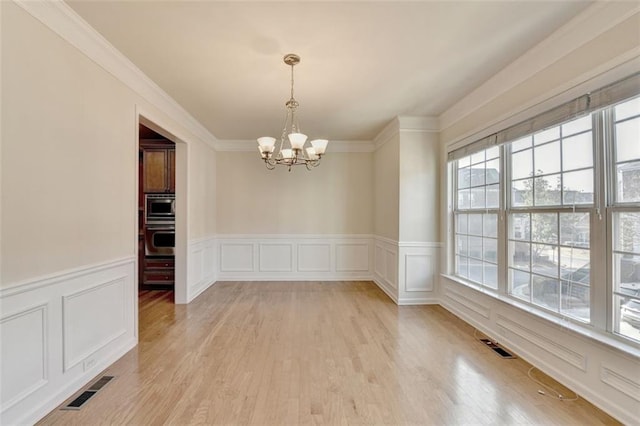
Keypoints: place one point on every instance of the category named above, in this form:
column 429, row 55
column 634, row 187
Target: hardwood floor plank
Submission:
column 314, row 353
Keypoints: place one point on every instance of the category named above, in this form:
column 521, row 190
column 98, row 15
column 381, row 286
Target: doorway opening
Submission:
column 156, row 214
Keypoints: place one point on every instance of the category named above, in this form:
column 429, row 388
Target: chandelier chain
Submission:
column 292, row 82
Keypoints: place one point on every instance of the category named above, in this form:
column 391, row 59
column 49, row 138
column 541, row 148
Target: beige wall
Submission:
column 334, row 198
column 202, row 191
column 69, row 157
column 386, row 182
column 419, row 187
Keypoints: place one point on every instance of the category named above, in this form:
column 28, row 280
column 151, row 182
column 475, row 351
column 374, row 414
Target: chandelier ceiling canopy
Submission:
column 293, row 152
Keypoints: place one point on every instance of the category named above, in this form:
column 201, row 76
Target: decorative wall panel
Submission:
column 276, row 257
column 23, row 354
column 314, row 257
column 92, row 318
column 352, row 257
column 236, row 257
column 419, row 272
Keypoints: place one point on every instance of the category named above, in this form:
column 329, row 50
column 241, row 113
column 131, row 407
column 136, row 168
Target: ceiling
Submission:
column 362, row 63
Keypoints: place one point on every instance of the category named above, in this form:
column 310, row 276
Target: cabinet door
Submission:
column 172, row 170
column 155, row 170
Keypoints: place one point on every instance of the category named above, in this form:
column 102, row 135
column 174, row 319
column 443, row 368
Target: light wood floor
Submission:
column 301, row 353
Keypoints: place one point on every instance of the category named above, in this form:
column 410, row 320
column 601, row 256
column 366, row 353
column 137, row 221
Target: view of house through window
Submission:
column 552, row 174
column 478, row 195
column 626, row 218
column 553, row 199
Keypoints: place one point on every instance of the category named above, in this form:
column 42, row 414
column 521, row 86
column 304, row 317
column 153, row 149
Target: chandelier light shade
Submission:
column 291, row 149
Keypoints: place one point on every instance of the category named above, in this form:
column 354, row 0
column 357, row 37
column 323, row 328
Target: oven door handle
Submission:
column 161, row 228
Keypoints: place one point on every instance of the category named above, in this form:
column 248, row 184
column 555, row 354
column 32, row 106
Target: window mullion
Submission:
column 503, row 231
column 601, row 301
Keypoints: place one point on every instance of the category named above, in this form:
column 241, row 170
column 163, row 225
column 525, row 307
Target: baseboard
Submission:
column 198, row 290
column 383, row 286
column 73, row 387
column 408, row 301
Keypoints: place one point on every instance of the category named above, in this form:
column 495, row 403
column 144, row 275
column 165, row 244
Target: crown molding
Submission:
column 406, row 123
column 385, row 135
column 591, row 23
column 60, row 18
column 334, row 146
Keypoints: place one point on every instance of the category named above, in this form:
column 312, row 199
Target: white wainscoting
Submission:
column 58, row 332
column 91, row 319
column 407, row 271
column 386, row 266
column 417, row 272
column 201, row 269
column 294, row 257
column 603, row 375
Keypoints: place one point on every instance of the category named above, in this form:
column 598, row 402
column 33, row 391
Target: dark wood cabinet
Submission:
column 159, row 170
column 172, row 170
column 158, row 272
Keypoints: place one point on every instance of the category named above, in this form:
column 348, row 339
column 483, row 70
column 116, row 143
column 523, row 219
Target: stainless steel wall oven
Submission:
column 160, row 208
column 160, row 240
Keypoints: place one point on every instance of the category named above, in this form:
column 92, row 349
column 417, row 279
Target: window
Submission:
column 570, row 211
column 626, row 218
column 478, row 195
column 552, row 198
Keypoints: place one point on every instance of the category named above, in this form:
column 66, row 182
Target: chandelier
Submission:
column 293, row 154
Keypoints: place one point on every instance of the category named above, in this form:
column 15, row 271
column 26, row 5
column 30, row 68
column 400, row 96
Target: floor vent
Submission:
column 497, row 349
column 85, row 396
column 102, row 381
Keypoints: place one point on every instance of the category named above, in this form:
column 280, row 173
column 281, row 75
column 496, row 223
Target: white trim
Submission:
column 426, row 244
column 346, row 257
column 202, row 266
column 384, row 287
column 387, row 133
column 44, row 380
column 422, row 124
column 63, row 376
column 66, row 275
column 592, row 22
column 266, row 267
column 303, row 245
column 406, row 123
column 620, row 381
column 467, row 302
column 64, row 21
column 68, row 363
column 414, row 301
column 560, row 351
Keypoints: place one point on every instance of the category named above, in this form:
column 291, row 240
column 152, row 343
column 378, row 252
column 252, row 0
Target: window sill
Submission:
column 586, row 331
